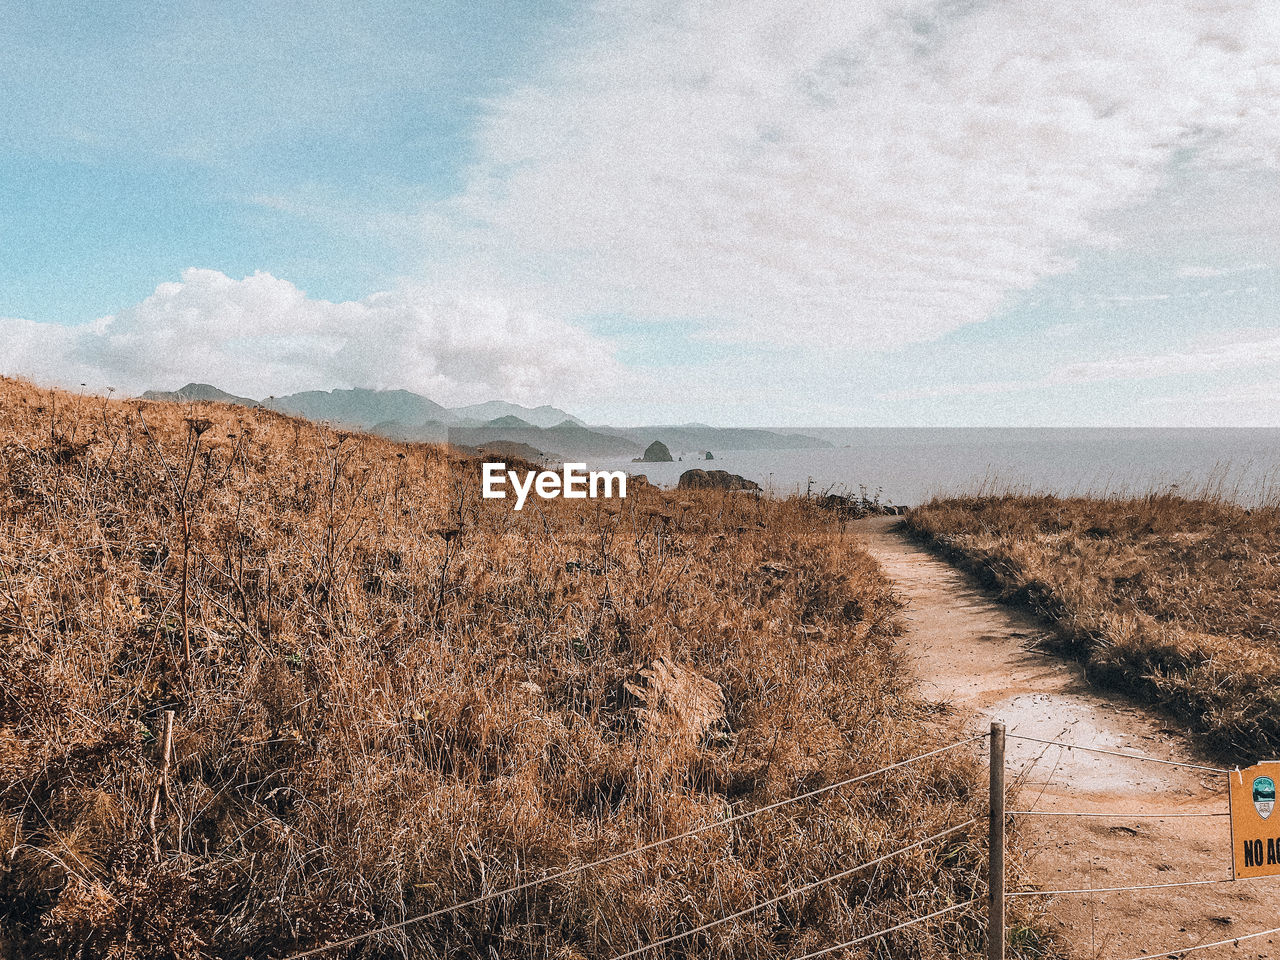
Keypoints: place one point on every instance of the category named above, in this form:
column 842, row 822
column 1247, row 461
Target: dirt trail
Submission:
column 979, row 657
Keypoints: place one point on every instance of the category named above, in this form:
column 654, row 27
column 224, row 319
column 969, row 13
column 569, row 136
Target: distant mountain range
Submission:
column 495, row 424
column 362, row 408
column 199, row 392
column 368, row 408
column 543, row 416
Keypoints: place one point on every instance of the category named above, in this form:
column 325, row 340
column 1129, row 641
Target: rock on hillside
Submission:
column 511, row 450
column 714, row 480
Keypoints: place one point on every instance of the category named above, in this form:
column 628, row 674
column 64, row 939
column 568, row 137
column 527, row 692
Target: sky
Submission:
column 953, row 212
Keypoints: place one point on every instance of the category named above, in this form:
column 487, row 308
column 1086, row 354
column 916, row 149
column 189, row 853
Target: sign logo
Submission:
column 1264, row 796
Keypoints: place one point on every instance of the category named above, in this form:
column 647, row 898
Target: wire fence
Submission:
column 843, row 874
column 1117, row 753
column 1177, row 951
column 1118, row 815
column 887, row 930
column 633, row 851
column 1183, row 951
column 995, row 897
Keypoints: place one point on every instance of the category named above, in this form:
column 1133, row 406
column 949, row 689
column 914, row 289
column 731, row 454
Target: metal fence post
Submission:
column 995, row 848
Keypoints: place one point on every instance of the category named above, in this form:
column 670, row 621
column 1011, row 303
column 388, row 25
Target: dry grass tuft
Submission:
column 676, row 704
column 393, row 696
column 1176, row 600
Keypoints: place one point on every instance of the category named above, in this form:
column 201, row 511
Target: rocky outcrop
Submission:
column 510, row 450
column 714, row 480
column 656, row 452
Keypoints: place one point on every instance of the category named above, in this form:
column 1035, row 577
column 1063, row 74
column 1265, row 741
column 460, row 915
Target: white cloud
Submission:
column 1230, row 351
column 1250, row 405
column 263, row 334
column 1194, row 271
column 855, row 174
column 38, row 351
column 979, row 389
column 1242, row 349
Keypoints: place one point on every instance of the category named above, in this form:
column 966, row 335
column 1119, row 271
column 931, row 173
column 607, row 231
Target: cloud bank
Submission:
column 264, row 334
column 853, row 173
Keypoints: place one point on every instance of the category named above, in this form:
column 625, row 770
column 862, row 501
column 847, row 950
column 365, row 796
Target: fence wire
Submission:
column 644, row 948
column 1122, row 815
column 613, row 858
column 880, row 933
column 1140, row 886
column 792, row 893
column 1181, row 951
column 1173, row 951
column 1117, row 753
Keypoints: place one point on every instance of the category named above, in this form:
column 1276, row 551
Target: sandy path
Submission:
column 978, row 656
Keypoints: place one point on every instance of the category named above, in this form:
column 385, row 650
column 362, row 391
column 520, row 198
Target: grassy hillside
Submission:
column 1174, row 599
column 393, row 696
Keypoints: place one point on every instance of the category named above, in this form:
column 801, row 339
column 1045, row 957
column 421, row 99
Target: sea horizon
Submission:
column 907, row 466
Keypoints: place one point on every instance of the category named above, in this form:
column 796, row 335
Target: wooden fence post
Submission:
column 995, row 848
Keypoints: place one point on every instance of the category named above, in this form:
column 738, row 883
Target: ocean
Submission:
column 907, row 466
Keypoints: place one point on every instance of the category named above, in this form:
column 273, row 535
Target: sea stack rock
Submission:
column 656, row 452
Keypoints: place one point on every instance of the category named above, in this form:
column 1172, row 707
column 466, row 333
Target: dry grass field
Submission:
column 1176, row 600
column 392, row 696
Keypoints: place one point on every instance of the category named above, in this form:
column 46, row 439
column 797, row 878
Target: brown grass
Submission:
column 1176, row 600
column 392, row 696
